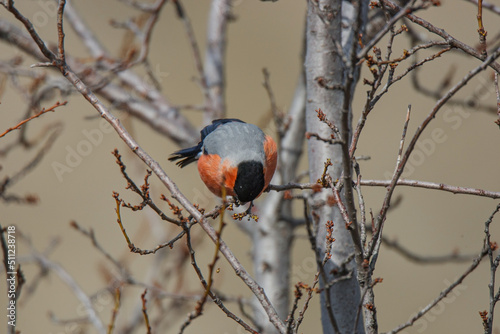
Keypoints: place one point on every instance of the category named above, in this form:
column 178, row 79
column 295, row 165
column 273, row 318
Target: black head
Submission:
column 249, row 181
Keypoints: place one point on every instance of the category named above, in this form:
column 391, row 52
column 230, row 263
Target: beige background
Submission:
column 264, row 35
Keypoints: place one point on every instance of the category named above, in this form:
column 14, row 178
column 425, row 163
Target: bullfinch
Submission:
column 235, row 155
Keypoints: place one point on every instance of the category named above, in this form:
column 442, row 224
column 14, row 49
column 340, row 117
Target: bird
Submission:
column 234, row 158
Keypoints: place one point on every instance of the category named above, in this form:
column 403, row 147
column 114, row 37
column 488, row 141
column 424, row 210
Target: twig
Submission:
column 214, row 297
column 382, row 32
column 211, row 266
column 145, row 312
column 332, row 141
column 453, row 42
column 481, row 31
column 156, row 110
column 43, row 111
column 321, row 270
column 340, row 204
column 77, row 290
column 90, row 234
column 433, row 186
column 60, row 31
column 131, row 246
column 490, row 246
column 385, row 206
column 495, row 9
column 322, row 117
column 497, row 90
column 366, row 290
column 310, row 291
column 111, row 325
column 142, row 191
column 10, row 181
column 421, row 259
column 292, row 185
column 148, row 31
column 443, row 293
column 401, row 182
column 374, row 244
column 278, row 117
column 181, row 13
column 361, row 204
column 119, row 221
column 411, row 69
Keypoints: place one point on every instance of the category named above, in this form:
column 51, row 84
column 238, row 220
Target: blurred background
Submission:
column 263, row 35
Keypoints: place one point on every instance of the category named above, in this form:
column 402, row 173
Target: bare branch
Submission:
column 443, row 293
column 481, row 31
column 399, row 170
column 394, row 8
column 434, row 186
column 492, row 7
column 145, row 312
column 111, row 325
column 497, row 90
column 77, row 290
column 382, row 32
column 494, row 261
column 43, row 111
column 220, row 14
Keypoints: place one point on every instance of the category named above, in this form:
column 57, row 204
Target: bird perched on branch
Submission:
column 233, row 155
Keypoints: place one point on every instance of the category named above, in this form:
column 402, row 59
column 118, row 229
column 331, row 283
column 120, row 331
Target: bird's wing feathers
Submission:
column 191, row 154
column 215, row 124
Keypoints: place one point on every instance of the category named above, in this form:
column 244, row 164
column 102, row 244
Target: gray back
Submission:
column 237, row 141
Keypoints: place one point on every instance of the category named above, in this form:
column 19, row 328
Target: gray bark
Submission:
column 325, row 60
column 273, row 236
column 220, row 12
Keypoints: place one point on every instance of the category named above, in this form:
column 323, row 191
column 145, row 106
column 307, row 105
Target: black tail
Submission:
column 188, row 155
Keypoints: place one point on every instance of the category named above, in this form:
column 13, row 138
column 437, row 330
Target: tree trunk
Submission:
column 273, row 236
column 326, row 73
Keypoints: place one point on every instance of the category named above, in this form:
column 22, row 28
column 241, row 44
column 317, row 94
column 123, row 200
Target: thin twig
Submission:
column 181, row 13
column 454, row 256
column 375, row 242
column 321, row 270
column 211, row 266
column 212, row 295
column 10, row 181
column 90, row 234
column 443, row 293
column 382, row 32
column 145, row 312
column 60, row 31
column 401, row 182
column 43, row 111
column 453, row 42
column 278, row 117
column 481, row 31
column 111, row 325
column 90, row 311
column 490, row 246
column 142, row 191
column 497, row 90
column 434, row 186
column 387, row 200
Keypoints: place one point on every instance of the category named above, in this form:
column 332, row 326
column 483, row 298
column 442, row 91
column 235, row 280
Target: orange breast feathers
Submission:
column 271, row 159
column 216, row 175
